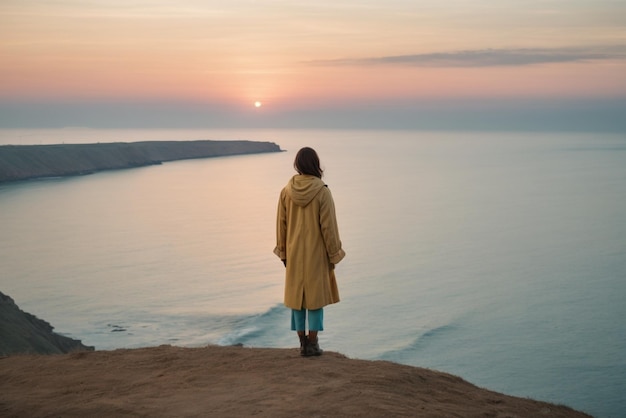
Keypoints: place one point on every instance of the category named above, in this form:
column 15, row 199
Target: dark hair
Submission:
column 307, row 162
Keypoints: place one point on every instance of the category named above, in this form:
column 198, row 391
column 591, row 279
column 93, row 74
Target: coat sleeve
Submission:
column 330, row 230
column 281, row 228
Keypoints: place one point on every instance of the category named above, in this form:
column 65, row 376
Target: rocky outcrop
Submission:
column 21, row 162
column 21, row 332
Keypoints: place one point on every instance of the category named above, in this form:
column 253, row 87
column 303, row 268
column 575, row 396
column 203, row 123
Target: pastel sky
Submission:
column 310, row 63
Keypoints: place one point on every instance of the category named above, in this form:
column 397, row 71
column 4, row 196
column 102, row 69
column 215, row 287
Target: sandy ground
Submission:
column 216, row 381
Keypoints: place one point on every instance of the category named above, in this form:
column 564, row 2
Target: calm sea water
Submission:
column 499, row 257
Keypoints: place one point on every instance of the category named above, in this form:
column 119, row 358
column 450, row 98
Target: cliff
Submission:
column 21, row 332
column 21, row 162
column 221, row 382
column 234, row 381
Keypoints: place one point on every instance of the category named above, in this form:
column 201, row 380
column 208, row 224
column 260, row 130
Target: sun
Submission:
column 258, row 104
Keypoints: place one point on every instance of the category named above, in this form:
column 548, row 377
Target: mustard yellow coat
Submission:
column 307, row 237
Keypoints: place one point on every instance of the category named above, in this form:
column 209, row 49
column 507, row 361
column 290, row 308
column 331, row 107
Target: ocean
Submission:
column 499, row 257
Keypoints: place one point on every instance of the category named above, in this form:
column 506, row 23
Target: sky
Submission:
column 431, row 64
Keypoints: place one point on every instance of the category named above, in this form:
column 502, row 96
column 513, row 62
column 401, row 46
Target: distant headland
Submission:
column 23, row 162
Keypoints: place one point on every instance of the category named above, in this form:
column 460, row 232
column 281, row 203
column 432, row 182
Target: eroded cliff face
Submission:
column 22, row 162
column 21, row 332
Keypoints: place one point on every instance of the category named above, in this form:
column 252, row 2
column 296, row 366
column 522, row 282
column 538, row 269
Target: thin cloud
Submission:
column 489, row 57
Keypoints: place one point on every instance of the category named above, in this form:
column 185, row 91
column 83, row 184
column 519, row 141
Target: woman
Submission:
column 307, row 241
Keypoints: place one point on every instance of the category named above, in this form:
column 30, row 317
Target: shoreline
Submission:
column 27, row 162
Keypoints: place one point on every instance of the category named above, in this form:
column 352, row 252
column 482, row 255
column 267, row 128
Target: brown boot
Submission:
column 304, row 344
column 313, row 348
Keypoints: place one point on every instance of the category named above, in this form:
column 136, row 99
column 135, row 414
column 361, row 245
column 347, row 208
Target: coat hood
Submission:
column 303, row 188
